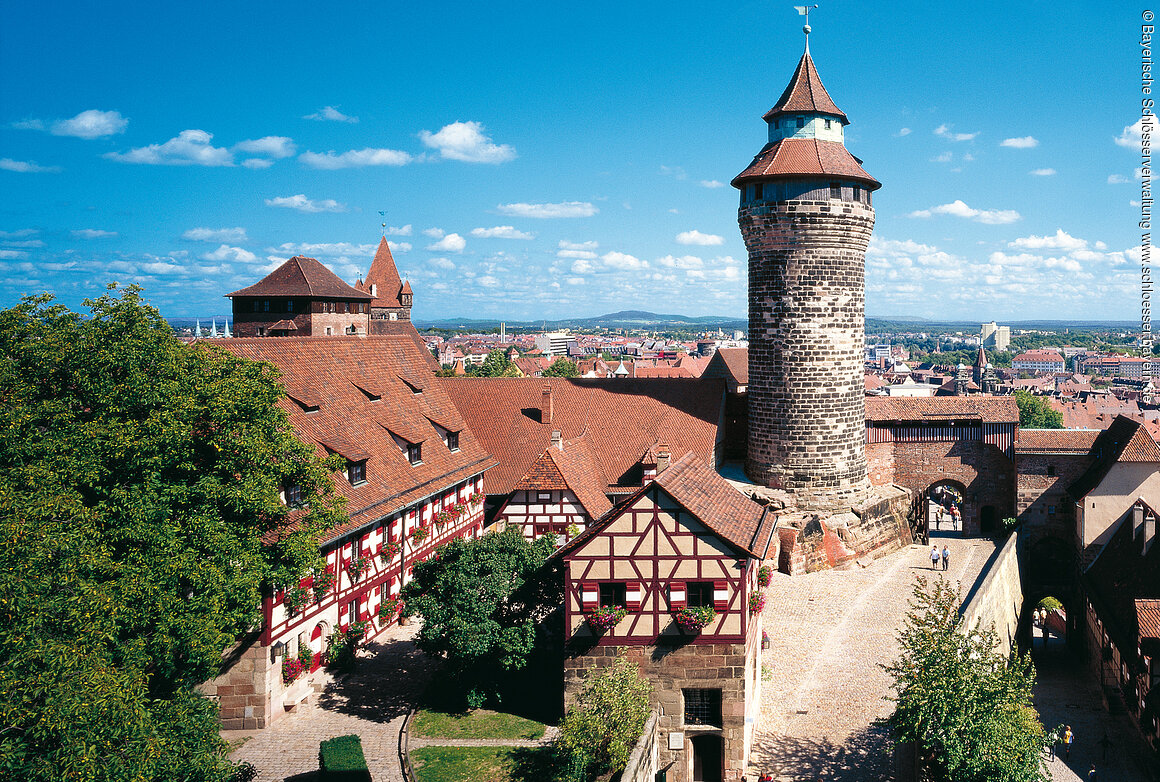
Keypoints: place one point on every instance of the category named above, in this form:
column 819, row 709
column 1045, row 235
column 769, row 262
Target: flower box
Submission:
column 694, row 619
column 764, row 576
column 756, row 602
column 357, row 567
column 291, row 670
column 605, row 617
column 296, row 600
column 323, row 581
column 390, row 551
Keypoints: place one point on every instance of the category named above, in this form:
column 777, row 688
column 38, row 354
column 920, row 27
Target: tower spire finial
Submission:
column 804, row 10
column 383, row 214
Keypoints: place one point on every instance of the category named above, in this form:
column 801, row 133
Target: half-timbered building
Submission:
column 412, row 479
column 669, row 579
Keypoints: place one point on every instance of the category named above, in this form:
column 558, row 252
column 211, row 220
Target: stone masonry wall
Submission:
column 1042, row 504
column 733, row 668
column 244, row 690
column 806, row 336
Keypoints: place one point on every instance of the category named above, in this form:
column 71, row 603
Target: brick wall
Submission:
column 1042, row 504
column 806, row 337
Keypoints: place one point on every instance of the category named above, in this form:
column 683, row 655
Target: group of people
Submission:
column 937, row 556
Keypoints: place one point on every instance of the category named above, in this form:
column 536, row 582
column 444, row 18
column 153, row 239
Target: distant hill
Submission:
column 625, row 319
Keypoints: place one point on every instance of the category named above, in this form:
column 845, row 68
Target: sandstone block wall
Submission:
column 244, row 691
column 806, row 337
column 998, row 602
column 1042, row 503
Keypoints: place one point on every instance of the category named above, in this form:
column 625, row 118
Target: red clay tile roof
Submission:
column 989, row 409
column 1097, row 411
column 1055, row 440
column 1124, row 441
column 663, row 372
column 695, row 364
column 326, row 372
column 301, row 276
column 619, row 418
column 385, row 277
column 571, row 467
column 805, row 94
column 798, row 157
column 1148, row 617
column 729, row 363
column 404, row 328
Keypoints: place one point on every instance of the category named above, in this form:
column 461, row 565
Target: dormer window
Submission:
column 452, row 441
column 415, row 453
column 356, row 472
column 827, row 124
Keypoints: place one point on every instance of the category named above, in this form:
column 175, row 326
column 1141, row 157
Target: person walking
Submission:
column 946, row 557
column 1068, row 738
column 934, row 557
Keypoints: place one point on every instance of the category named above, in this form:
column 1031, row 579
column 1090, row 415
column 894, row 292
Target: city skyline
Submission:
column 543, row 163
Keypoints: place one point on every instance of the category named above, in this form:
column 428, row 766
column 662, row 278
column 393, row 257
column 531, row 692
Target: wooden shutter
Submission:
column 632, row 595
column 589, row 595
column 720, row 595
column 678, row 595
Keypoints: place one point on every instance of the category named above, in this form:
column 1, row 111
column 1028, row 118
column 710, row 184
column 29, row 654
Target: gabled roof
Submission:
column 1124, row 441
column 979, row 407
column 385, row 277
column 620, row 420
column 805, row 94
column 571, row 467
column 724, row 511
column 301, row 276
column 1077, row 441
column 341, row 418
column 729, row 363
column 805, row 157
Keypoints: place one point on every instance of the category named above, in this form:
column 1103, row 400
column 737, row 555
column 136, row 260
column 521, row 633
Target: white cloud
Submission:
column 1060, row 241
column 331, row 114
column 227, row 253
column 276, row 147
column 583, row 266
column 547, row 211
column 944, row 131
column 467, row 142
column 589, row 245
column 399, row 247
column 355, row 158
column 1118, row 179
column 696, row 237
column 712, row 183
column 10, row 255
column 623, row 261
column 1043, row 172
column 1133, row 134
column 959, row 209
column 434, row 233
column 93, row 233
column 501, row 232
column 1022, row 142
column 945, row 157
column 304, row 204
column 451, row 243
column 682, row 262
column 400, row 231
column 588, row 254
column 191, row 147
column 904, row 131
column 257, row 162
column 325, row 249
column 488, row 281
column 442, row 263
column 575, row 281
column 215, row 234
column 26, row 166
column 90, row 124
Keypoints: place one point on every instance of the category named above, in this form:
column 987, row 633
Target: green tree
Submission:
column 1035, row 412
column 140, row 524
column 481, row 601
column 562, row 367
column 960, row 700
column 495, row 365
column 610, row 714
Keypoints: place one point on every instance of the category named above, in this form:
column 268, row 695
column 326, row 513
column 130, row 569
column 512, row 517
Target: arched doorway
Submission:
column 318, row 643
column 708, row 758
column 944, row 506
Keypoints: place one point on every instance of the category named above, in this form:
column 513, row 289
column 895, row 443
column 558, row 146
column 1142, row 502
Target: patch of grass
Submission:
column 462, row 764
column 478, row 724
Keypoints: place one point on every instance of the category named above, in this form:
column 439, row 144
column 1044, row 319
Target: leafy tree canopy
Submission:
column 962, row 701
column 495, row 365
column 481, row 601
column 137, row 478
column 611, row 710
column 562, row 367
column 1035, row 412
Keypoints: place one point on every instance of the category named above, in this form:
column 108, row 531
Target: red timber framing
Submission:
column 539, row 512
column 658, row 554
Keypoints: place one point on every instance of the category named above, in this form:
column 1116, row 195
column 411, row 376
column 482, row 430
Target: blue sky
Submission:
column 541, row 160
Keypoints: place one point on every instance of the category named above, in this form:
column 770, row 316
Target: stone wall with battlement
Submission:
column 806, row 336
column 997, row 602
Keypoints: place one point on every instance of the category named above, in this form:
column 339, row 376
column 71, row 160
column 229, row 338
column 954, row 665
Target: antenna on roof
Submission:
column 804, row 10
column 383, row 214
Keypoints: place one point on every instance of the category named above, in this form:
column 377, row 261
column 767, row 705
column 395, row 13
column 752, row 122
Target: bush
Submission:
column 611, row 711
column 341, row 758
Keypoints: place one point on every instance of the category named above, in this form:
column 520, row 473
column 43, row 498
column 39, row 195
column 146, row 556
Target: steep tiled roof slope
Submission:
column 805, row 94
column 571, row 467
column 805, row 157
column 989, row 409
column 385, row 277
column 620, row 418
column 341, row 378
column 729, row 363
column 1056, row 440
column 1124, row 441
column 301, row 276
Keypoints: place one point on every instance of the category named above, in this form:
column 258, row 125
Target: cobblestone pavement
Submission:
column 829, row 632
column 1067, row 693
column 372, row 701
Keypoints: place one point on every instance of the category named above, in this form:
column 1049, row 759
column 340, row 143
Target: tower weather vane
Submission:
column 383, row 214
column 804, row 10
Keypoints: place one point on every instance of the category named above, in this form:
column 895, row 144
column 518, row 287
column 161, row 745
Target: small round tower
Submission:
column 806, row 218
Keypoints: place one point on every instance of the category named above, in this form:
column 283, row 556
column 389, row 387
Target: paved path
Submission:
column 824, row 688
column 372, row 702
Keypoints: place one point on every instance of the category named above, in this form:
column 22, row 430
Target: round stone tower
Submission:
column 806, row 218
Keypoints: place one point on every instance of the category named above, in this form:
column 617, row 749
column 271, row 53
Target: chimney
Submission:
column 546, row 405
column 663, row 458
column 557, row 439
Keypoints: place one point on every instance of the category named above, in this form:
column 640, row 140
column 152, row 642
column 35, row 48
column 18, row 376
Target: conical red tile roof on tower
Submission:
column 385, row 278
column 805, row 93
